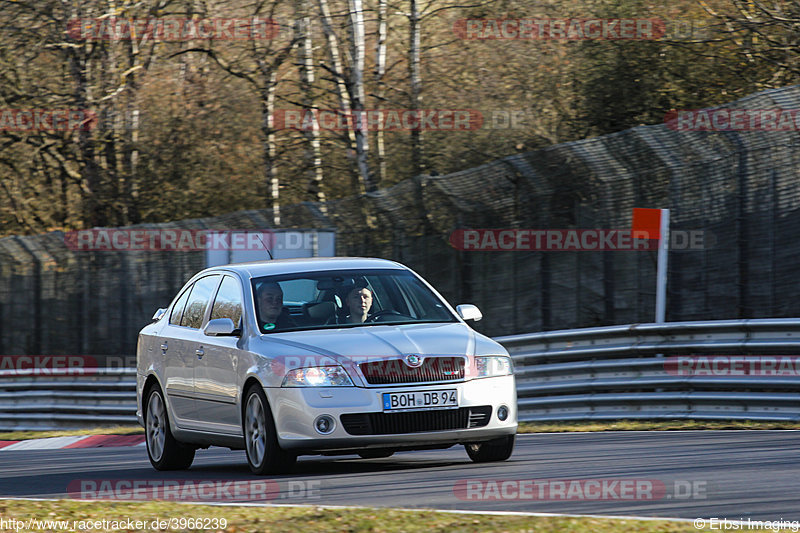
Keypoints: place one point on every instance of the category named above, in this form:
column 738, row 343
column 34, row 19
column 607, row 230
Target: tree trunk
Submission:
column 80, row 70
column 270, row 148
column 417, row 163
column 305, row 60
column 380, row 72
column 357, row 51
column 337, row 70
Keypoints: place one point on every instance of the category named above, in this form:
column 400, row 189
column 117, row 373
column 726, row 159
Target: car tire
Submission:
column 376, row 454
column 493, row 450
column 264, row 454
column 164, row 452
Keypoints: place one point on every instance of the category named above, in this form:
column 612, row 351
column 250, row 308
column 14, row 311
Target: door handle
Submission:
column 199, row 352
column 164, row 346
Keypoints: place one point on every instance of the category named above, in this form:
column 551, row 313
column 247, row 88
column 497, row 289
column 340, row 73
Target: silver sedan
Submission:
column 319, row 356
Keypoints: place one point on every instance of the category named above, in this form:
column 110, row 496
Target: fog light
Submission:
column 502, row 413
column 324, row 424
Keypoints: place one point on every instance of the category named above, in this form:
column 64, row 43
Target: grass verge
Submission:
column 524, row 427
column 311, row 519
column 116, row 430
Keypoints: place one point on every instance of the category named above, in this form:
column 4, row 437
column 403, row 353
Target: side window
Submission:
column 177, row 311
column 198, row 301
column 228, row 303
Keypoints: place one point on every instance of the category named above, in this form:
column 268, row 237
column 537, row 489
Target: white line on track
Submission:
column 51, row 443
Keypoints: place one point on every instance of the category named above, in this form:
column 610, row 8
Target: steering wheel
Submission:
column 385, row 312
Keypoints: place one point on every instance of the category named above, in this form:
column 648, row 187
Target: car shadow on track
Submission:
column 312, row 466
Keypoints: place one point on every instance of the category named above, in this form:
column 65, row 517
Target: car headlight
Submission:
column 318, row 376
column 493, row 365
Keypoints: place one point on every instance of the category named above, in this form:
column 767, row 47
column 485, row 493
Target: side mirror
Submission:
column 221, row 327
column 469, row 312
column 159, row 314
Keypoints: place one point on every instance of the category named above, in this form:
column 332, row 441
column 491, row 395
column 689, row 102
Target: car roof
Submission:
column 255, row 269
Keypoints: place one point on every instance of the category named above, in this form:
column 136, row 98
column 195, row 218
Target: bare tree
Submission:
column 380, row 92
column 67, row 69
column 356, row 88
column 259, row 65
column 414, row 29
column 350, row 84
column 764, row 33
column 305, row 60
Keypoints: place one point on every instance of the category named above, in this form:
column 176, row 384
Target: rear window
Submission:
column 198, row 301
column 177, row 310
column 228, row 303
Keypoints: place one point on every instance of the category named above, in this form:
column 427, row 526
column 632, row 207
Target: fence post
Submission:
column 36, row 347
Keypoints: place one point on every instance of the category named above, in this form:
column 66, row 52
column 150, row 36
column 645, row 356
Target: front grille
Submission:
column 391, row 371
column 416, row 421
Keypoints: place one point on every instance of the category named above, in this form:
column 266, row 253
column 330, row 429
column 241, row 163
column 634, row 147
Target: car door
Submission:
column 187, row 348
column 216, row 386
column 177, row 363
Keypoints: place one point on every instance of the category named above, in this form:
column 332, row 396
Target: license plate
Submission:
column 398, row 401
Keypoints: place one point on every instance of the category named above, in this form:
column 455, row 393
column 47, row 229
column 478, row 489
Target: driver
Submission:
column 270, row 302
column 359, row 302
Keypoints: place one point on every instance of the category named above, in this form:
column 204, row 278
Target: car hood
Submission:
column 350, row 347
column 380, row 341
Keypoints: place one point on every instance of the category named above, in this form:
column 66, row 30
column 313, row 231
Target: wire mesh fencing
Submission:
column 737, row 192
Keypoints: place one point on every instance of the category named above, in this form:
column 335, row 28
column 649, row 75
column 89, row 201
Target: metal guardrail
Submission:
column 621, row 372
column 603, row 373
column 67, row 399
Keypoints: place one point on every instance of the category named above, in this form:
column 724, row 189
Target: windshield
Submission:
column 344, row 298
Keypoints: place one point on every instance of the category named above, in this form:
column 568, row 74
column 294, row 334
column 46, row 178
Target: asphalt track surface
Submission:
column 725, row 474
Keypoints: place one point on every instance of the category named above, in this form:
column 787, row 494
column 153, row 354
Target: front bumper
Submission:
column 296, row 409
